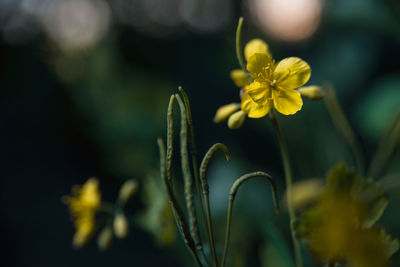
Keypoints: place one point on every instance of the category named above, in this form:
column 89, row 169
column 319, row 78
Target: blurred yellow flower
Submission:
column 83, row 204
column 339, row 226
column 84, row 225
column 274, row 85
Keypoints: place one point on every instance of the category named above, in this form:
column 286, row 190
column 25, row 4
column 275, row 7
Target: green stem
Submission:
column 210, row 229
column 193, row 153
column 232, row 195
column 385, row 152
column 289, row 182
column 187, row 177
column 204, row 184
column 239, row 53
column 228, row 231
column 196, row 258
column 177, row 211
column 343, row 126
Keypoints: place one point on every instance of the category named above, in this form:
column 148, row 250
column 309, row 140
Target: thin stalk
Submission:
column 210, row 229
column 239, row 53
column 177, row 211
column 193, row 153
column 228, row 231
column 343, row 126
column 289, row 182
column 232, row 195
column 187, row 177
column 206, row 192
column 386, row 149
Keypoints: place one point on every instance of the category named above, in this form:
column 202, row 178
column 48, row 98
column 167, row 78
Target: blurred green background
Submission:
column 84, row 89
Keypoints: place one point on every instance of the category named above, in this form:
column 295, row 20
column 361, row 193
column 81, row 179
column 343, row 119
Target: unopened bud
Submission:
column 225, row 111
column 255, row 46
column 239, row 77
column 305, row 193
column 312, row 92
column 236, row 120
column 105, row 238
column 120, row 225
column 128, row 189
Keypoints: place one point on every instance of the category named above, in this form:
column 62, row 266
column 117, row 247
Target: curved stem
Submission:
column 289, row 182
column 232, row 195
column 204, row 184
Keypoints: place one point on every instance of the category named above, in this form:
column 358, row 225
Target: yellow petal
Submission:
column 257, row 64
column 287, row 102
column 259, row 92
column 239, row 77
column 236, row 120
column 292, row 72
column 225, row 111
column 256, row 46
column 253, row 109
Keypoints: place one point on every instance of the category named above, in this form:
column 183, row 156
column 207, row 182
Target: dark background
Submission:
column 71, row 110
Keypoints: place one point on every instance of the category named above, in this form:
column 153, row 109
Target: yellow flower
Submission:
column 338, row 228
column 84, row 225
column 83, row 204
column 274, row 84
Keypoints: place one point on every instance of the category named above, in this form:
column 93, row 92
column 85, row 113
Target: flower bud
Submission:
column 120, row 225
column 236, row 120
column 312, row 92
column 105, row 238
column 225, row 111
column 128, row 189
column 239, row 77
column 255, row 46
column 305, row 192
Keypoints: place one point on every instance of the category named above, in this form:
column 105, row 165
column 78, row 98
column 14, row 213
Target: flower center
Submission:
column 273, row 83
